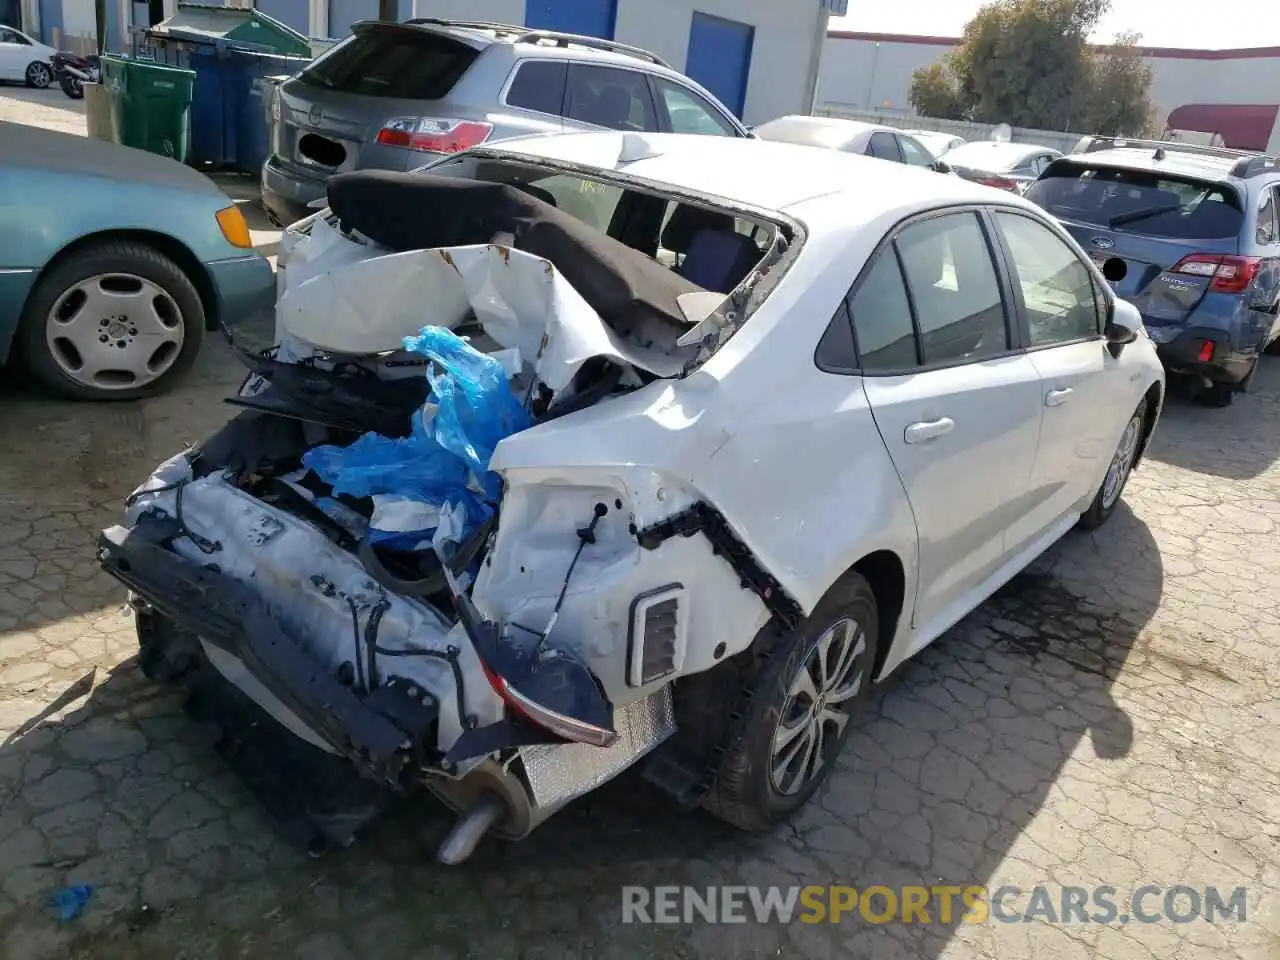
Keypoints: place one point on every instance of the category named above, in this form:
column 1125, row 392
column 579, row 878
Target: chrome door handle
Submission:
column 1056, row 398
column 928, row 430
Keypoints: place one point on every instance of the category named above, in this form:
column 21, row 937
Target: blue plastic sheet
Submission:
column 475, row 410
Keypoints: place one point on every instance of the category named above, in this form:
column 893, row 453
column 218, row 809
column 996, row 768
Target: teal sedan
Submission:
column 114, row 263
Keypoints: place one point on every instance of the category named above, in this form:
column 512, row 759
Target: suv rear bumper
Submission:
column 1183, row 354
column 286, row 192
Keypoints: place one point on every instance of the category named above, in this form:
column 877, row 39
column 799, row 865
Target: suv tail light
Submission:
column 1000, row 183
column 431, row 135
column 1228, row 274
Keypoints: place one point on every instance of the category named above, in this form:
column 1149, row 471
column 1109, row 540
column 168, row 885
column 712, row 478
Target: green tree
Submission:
column 1028, row 63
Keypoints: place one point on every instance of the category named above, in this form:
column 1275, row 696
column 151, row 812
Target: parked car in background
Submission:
column 953, row 364
column 113, row 264
column 850, row 136
column 1190, row 234
column 395, row 95
column 936, row 142
column 24, row 60
column 1000, row 163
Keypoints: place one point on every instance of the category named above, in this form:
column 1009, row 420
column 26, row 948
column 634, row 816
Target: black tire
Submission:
column 39, row 75
column 71, row 86
column 109, row 256
column 1100, row 509
column 1273, row 348
column 745, row 793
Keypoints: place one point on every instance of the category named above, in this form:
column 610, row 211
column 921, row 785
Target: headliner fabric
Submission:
column 421, row 211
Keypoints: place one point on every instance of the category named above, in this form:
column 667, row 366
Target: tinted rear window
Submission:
column 1134, row 201
column 382, row 62
column 540, row 85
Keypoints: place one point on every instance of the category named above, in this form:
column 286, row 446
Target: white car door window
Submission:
column 1057, row 288
column 958, row 409
column 690, row 113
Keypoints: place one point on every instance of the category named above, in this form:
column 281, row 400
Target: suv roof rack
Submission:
column 1168, row 146
column 519, row 34
column 1248, row 163
column 595, row 43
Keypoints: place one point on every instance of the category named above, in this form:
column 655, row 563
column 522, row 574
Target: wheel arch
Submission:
column 171, row 247
column 887, row 575
column 1154, row 398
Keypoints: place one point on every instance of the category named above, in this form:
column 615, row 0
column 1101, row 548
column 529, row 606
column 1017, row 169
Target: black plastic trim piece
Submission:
column 703, row 518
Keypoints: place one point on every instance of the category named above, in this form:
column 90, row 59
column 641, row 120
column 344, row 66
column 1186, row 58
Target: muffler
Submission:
column 470, row 829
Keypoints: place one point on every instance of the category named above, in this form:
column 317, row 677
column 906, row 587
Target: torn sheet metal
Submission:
column 521, row 300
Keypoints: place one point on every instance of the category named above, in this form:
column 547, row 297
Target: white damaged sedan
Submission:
column 574, row 453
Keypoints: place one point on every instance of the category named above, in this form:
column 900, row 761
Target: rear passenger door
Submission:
column 1061, row 310
column 610, row 97
column 956, row 402
column 1267, row 236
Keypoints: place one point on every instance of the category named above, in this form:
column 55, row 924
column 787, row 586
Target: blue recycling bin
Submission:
column 255, row 77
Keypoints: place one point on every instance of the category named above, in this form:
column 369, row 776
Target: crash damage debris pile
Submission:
column 333, row 559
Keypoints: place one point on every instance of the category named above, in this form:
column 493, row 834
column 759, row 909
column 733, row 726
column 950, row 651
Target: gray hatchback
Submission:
column 396, row 95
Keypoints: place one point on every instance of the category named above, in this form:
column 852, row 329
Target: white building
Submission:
column 1232, row 92
column 760, row 57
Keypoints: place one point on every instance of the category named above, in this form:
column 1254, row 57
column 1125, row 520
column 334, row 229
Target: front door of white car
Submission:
column 1081, row 383
column 958, row 406
column 14, row 57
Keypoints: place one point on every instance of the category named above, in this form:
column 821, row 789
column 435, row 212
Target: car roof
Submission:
column 1200, row 166
column 831, row 132
column 756, row 173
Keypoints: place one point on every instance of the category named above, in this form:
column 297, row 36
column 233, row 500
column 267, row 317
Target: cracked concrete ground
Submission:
column 1112, row 717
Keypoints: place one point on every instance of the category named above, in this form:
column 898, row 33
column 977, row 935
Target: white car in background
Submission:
column 24, row 60
column 747, row 487
column 936, row 142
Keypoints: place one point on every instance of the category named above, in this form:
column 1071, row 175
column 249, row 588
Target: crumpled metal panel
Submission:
column 558, row 773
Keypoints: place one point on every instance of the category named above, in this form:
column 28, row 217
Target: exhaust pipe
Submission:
column 471, row 827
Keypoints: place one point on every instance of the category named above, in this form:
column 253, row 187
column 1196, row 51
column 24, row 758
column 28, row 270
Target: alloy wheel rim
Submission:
column 114, row 331
column 1122, row 461
column 40, row 74
column 816, row 710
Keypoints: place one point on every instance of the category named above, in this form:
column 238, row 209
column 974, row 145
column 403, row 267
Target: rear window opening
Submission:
column 1138, row 201
column 397, row 62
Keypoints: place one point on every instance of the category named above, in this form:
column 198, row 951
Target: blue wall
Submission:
column 719, row 58
column 50, row 17
column 592, row 18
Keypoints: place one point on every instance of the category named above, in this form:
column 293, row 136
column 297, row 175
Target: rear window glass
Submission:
column 406, row 63
column 1142, row 202
column 540, row 85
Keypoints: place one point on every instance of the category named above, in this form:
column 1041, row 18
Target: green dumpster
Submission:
column 231, row 26
column 150, row 105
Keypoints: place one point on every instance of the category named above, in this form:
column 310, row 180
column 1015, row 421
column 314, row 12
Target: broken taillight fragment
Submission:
column 547, row 686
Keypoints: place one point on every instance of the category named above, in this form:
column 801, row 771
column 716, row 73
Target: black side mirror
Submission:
column 940, row 166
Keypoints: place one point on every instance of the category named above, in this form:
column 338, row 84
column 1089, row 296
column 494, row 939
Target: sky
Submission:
column 1162, row 23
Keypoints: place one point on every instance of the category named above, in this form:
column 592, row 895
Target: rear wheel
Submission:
column 801, row 711
column 112, row 321
column 73, row 87
column 1126, row 455
column 39, row 75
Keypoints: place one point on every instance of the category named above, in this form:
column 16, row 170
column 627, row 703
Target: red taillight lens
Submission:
column 1206, row 351
column 1229, row 274
column 1000, row 183
column 557, row 723
column 431, row 135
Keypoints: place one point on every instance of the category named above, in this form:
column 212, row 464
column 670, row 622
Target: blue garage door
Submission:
column 50, row 18
column 292, row 13
column 591, row 18
column 720, row 58
column 343, row 13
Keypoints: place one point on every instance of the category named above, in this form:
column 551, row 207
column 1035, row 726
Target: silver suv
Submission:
column 396, row 95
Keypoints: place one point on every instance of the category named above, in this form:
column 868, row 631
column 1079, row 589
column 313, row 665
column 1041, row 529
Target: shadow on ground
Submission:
column 955, row 757
column 1239, row 442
